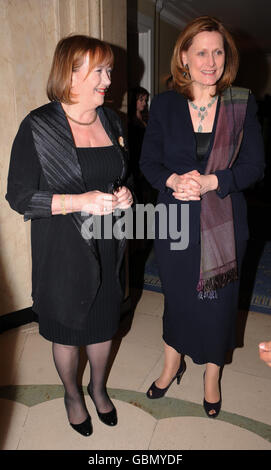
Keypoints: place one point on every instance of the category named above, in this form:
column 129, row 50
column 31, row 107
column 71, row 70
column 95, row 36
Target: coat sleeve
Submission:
column 152, row 155
column 23, row 190
column 249, row 166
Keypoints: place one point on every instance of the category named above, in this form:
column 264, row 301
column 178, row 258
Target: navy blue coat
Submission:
column 169, row 146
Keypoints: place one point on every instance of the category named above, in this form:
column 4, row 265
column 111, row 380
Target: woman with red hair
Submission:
column 69, row 161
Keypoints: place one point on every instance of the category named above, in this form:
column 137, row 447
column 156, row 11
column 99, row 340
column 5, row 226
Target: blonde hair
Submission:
column 182, row 80
column 68, row 57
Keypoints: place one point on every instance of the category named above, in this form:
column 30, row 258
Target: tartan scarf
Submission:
column 218, row 264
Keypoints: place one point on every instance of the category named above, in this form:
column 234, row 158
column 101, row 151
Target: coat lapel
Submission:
column 58, row 158
column 56, row 151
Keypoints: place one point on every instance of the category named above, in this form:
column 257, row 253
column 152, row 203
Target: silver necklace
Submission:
column 202, row 111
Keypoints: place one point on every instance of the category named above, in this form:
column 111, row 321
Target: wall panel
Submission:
column 29, row 32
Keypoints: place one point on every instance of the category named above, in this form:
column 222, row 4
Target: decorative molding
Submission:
column 178, row 13
column 144, row 23
column 95, row 18
column 145, row 26
column 159, row 5
column 171, row 18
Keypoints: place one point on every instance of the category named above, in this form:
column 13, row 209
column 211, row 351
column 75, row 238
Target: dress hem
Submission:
column 81, row 343
column 198, row 361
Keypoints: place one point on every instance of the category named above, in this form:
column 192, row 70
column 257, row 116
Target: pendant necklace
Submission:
column 202, row 111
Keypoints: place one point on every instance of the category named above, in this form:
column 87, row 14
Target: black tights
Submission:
column 66, row 360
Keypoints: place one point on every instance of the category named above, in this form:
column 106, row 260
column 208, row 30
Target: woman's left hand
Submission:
column 207, row 183
column 125, row 198
column 185, row 187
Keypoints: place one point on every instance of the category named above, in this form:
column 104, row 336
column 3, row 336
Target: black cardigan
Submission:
column 65, row 269
column 169, row 146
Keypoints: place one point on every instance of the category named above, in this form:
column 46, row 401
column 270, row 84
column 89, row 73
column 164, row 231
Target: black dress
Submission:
column 100, row 167
column 204, row 329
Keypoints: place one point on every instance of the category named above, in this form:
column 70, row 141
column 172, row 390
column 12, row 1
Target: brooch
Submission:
column 121, row 141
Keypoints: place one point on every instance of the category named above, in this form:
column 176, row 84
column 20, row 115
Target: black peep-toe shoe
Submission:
column 110, row 418
column 84, row 428
column 208, row 407
column 156, row 392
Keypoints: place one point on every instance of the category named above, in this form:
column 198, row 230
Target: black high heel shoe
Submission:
column 84, row 428
column 156, row 392
column 110, row 418
column 208, row 407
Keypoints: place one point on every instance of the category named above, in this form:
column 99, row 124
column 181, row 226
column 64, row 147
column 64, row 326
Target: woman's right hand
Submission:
column 185, row 188
column 98, row 203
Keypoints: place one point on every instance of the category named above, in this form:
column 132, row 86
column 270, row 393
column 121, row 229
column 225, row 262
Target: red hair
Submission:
column 68, row 57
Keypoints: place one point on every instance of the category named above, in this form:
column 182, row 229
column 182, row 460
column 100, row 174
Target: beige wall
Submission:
column 29, row 32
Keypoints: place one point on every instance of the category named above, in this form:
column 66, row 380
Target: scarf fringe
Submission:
column 217, row 282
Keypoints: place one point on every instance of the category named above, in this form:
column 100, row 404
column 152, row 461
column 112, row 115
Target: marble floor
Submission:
column 31, row 396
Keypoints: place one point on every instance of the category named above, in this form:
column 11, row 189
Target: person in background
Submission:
column 138, row 106
column 68, row 167
column 202, row 147
column 137, row 122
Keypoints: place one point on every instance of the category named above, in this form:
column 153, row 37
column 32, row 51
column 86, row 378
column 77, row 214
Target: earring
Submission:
column 186, row 73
